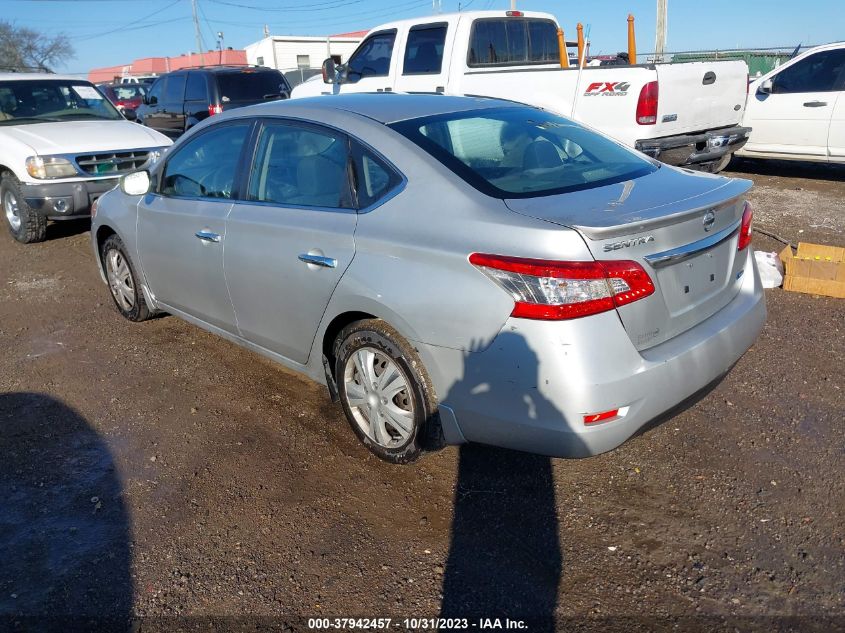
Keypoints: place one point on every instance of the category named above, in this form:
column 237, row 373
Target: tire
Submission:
column 405, row 420
column 123, row 281
column 24, row 223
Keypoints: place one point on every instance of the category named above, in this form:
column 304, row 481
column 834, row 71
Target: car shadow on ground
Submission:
column 786, row 169
column 67, row 228
column 505, row 557
column 64, row 527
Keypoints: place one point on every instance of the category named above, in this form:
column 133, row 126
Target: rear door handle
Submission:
column 815, row 104
column 208, row 236
column 318, row 260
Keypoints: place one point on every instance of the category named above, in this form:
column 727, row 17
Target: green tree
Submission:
column 27, row 50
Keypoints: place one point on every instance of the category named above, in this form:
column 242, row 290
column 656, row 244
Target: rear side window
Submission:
column 521, row 152
column 374, row 179
column 196, row 90
column 512, row 41
column 424, row 51
column 372, row 58
column 821, row 72
column 174, row 92
column 205, row 166
column 301, row 166
column 251, row 85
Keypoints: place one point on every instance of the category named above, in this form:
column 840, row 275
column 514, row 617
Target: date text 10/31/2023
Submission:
column 415, row 624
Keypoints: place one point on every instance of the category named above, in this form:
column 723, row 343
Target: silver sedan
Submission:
column 453, row 269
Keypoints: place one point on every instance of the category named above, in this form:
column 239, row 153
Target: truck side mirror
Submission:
column 766, row 87
column 329, row 71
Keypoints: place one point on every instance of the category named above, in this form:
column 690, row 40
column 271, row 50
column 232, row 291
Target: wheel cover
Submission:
column 379, row 397
column 120, row 279
column 10, row 206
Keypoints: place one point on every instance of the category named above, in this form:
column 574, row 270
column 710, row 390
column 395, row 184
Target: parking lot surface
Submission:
column 156, row 470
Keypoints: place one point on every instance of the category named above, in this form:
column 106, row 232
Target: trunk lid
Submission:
column 658, row 220
column 698, row 96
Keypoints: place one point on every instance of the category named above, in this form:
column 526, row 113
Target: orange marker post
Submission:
column 632, row 41
column 564, row 54
column 580, row 43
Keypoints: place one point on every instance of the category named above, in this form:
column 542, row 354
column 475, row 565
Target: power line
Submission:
column 319, row 6
column 126, row 27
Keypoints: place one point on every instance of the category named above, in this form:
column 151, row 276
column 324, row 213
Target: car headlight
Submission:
column 43, row 167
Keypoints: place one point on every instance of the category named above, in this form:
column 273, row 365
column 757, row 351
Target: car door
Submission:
column 196, row 99
column 793, row 117
column 370, row 67
column 173, row 101
column 182, row 225
column 151, row 115
column 289, row 241
column 422, row 68
column 836, row 136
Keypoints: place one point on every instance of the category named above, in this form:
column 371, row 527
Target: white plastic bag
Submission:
column 771, row 269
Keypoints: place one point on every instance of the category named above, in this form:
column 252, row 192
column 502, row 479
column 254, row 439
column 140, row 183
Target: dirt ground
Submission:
column 158, row 473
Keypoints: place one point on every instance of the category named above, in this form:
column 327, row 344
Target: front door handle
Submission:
column 318, row 260
column 815, row 104
column 208, row 236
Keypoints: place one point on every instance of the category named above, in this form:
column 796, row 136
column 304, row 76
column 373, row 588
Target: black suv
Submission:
column 179, row 100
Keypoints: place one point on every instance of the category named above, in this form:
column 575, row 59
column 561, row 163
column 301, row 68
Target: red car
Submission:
column 124, row 96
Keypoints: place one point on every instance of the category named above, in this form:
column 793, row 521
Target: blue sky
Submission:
column 112, row 32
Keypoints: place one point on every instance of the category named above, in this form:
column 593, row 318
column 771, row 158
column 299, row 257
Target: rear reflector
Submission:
column 553, row 290
column 600, row 417
column 647, row 104
column 745, row 228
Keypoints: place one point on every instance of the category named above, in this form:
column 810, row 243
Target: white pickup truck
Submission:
column 682, row 114
column 797, row 111
column 62, row 145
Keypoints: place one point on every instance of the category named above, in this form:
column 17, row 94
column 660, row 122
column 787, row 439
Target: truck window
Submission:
column 424, row 51
column 372, row 58
column 512, row 41
column 817, row 73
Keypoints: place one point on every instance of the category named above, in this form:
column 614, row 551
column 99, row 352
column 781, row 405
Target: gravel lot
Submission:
column 155, row 471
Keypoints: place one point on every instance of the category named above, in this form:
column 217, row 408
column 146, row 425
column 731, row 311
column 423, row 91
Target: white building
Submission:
column 296, row 54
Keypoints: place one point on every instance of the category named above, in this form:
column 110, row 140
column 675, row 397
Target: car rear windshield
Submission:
column 248, row 85
column 50, row 100
column 522, row 152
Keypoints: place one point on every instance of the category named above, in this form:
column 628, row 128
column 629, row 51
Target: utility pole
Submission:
column 513, row 5
column 660, row 31
column 197, row 32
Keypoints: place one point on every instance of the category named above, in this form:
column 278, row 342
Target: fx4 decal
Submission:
column 608, row 89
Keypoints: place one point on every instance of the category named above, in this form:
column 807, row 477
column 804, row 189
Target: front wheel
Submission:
column 384, row 390
column 25, row 224
column 123, row 281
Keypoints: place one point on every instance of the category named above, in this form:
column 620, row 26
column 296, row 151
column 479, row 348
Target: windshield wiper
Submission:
column 29, row 119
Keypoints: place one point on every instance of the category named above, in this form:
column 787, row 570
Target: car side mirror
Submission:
column 129, row 114
column 136, row 184
column 766, row 87
column 329, row 71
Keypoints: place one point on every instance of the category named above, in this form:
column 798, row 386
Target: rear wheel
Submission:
column 384, row 390
column 25, row 224
column 123, row 281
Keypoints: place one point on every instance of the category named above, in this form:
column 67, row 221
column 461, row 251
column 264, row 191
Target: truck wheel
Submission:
column 25, row 224
column 385, row 391
column 123, row 281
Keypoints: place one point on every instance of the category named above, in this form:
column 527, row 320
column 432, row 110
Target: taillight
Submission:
column 647, row 104
column 94, row 206
column 745, row 228
column 553, row 290
column 215, row 109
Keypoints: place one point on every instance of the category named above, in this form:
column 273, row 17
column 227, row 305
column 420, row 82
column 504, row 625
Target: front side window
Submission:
column 820, row 72
column 424, row 51
column 205, row 166
column 513, row 41
column 155, row 91
column 372, row 58
column 300, row 166
column 40, row 101
column 522, row 152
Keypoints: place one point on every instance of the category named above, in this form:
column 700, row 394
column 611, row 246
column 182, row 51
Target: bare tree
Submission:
column 23, row 49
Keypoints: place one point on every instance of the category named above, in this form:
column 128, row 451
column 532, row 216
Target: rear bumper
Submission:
column 66, row 200
column 532, row 386
column 691, row 149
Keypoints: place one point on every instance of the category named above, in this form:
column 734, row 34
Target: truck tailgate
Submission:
column 697, row 96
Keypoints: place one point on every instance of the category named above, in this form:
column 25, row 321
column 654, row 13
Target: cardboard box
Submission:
column 815, row 269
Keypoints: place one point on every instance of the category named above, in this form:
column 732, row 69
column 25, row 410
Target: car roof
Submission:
column 38, row 77
column 224, row 69
column 381, row 107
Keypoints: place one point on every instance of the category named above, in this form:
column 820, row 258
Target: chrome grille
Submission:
column 112, row 163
